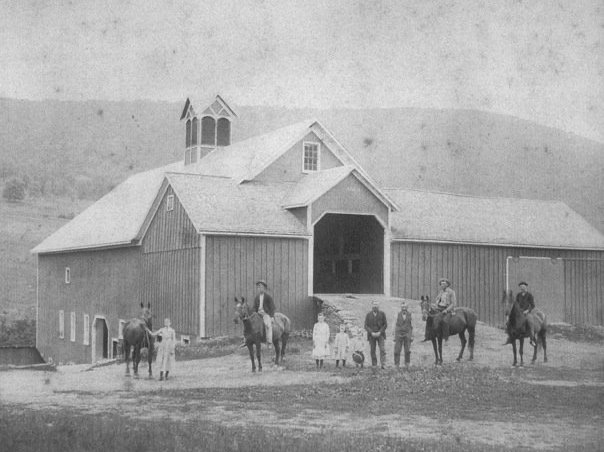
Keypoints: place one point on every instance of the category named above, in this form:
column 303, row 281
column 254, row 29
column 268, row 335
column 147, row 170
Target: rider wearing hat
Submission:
column 445, row 302
column 265, row 306
column 526, row 302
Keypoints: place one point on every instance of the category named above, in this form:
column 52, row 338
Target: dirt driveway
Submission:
column 223, row 390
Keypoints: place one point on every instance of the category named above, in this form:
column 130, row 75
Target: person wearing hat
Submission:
column 375, row 325
column 526, row 302
column 445, row 302
column 403, row 335
column 265, row 306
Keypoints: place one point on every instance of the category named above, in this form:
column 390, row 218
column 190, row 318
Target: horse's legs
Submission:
column 471, row 334
column 277, row 345
column 435, row 351
column 250, row 349
column 543, row 342
column 150, row 359
column 283, row 344
column 258, row 355
column 521, row 351
column 462, row 338
column 514, row 350
column 440, row 350
column 136, row 359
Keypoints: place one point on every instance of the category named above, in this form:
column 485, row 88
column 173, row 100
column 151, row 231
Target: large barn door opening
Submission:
column 545, row 278
column 348, row 254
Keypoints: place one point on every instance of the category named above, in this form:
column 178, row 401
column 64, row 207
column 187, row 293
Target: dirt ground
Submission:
column 223, row 390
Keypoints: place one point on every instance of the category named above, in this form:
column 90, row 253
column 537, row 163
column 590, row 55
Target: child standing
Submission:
column 358, row 346
column 166, row 349
column 320, row 340
column 341, row 346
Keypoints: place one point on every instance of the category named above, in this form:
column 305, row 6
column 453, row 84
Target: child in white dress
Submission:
column 320, row 341
column 341, row 346
column 166, row 350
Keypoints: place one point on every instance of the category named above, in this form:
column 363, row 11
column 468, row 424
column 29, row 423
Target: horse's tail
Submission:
column 471, row 320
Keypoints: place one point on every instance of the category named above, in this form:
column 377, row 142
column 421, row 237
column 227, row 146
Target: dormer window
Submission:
column 310, row 157
column 208, row 131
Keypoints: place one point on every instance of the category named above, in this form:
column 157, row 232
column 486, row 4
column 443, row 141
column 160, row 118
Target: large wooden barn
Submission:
column 294, row 208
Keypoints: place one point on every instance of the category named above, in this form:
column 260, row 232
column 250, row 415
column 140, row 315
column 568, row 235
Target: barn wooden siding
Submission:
column 103, row 283
column 235, row 263
column 171, row 268
column 478, row 276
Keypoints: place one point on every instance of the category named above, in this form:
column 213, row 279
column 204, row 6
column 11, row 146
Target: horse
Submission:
column 254, row 331
column 461, row 320
column 136, row 334
column 517, row 327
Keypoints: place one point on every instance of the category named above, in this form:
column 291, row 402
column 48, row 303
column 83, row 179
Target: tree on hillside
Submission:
column 14, row 190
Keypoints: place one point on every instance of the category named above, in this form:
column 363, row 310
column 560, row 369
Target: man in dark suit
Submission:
column 526, row 302
column 375, row 325
column 265, row 306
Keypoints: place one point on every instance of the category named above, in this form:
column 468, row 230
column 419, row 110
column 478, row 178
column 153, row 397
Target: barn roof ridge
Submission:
column 462, row 195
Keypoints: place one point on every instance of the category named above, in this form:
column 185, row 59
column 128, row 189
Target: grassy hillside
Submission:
column 71, row 153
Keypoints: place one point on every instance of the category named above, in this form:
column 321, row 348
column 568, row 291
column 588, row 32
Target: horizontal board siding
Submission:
column 103, row 283
column 234, row 264
column 478, row 275
column 170, row 230
column 170, row 282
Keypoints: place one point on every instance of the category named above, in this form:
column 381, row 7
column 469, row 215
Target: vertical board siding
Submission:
column 170, row 282
column 103, row 283
column 235, row 263
column 478, row 275
column 170, row 268
column 170, row 230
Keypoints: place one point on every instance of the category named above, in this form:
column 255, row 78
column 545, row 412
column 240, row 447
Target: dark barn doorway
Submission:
column 348, row 254
column 101, row 339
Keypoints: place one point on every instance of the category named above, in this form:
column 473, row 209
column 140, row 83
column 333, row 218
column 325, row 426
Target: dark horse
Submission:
column 461, row 320
column 254, row 332
column 517, row 327
column 136, row 334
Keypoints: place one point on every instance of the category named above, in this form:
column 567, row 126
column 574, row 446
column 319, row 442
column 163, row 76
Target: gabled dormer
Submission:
column 207, row 126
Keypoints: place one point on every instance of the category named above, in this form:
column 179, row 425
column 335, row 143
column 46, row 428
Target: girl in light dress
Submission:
column 320, row 341
column 166, row 350
column 341, row 346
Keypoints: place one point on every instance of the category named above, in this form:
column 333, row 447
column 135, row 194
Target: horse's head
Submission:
column 425, row 304
column 242, row 311
column 147, row 315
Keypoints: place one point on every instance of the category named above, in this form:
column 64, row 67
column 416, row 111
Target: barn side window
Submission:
column 223, row 132
column 86, row 329
column 208, row 130
column 67, row 275
column 72, row 332
column 62, row 324
column 170, row 203
column 311, row 157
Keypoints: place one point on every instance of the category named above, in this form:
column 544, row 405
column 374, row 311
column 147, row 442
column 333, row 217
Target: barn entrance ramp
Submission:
column 351, row 310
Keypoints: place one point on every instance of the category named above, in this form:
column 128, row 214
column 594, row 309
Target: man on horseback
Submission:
column 265, row 306
column 526, row 302
column 444, row 302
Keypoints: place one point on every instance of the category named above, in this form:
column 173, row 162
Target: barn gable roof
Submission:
column 114, row 220
column 444, row 217
column 219, row 204
column 314, row 185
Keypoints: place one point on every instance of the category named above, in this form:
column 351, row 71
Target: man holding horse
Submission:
column 265, row 306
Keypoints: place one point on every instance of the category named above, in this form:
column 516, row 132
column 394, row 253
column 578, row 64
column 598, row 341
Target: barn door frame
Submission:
column 93, row 338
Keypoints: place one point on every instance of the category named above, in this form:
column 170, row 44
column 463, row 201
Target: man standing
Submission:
column 265, row 306
column 403, row 335
column 375, row 325
column 526, row 302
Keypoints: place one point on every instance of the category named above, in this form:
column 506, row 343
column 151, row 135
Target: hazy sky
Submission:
column 536, row 59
